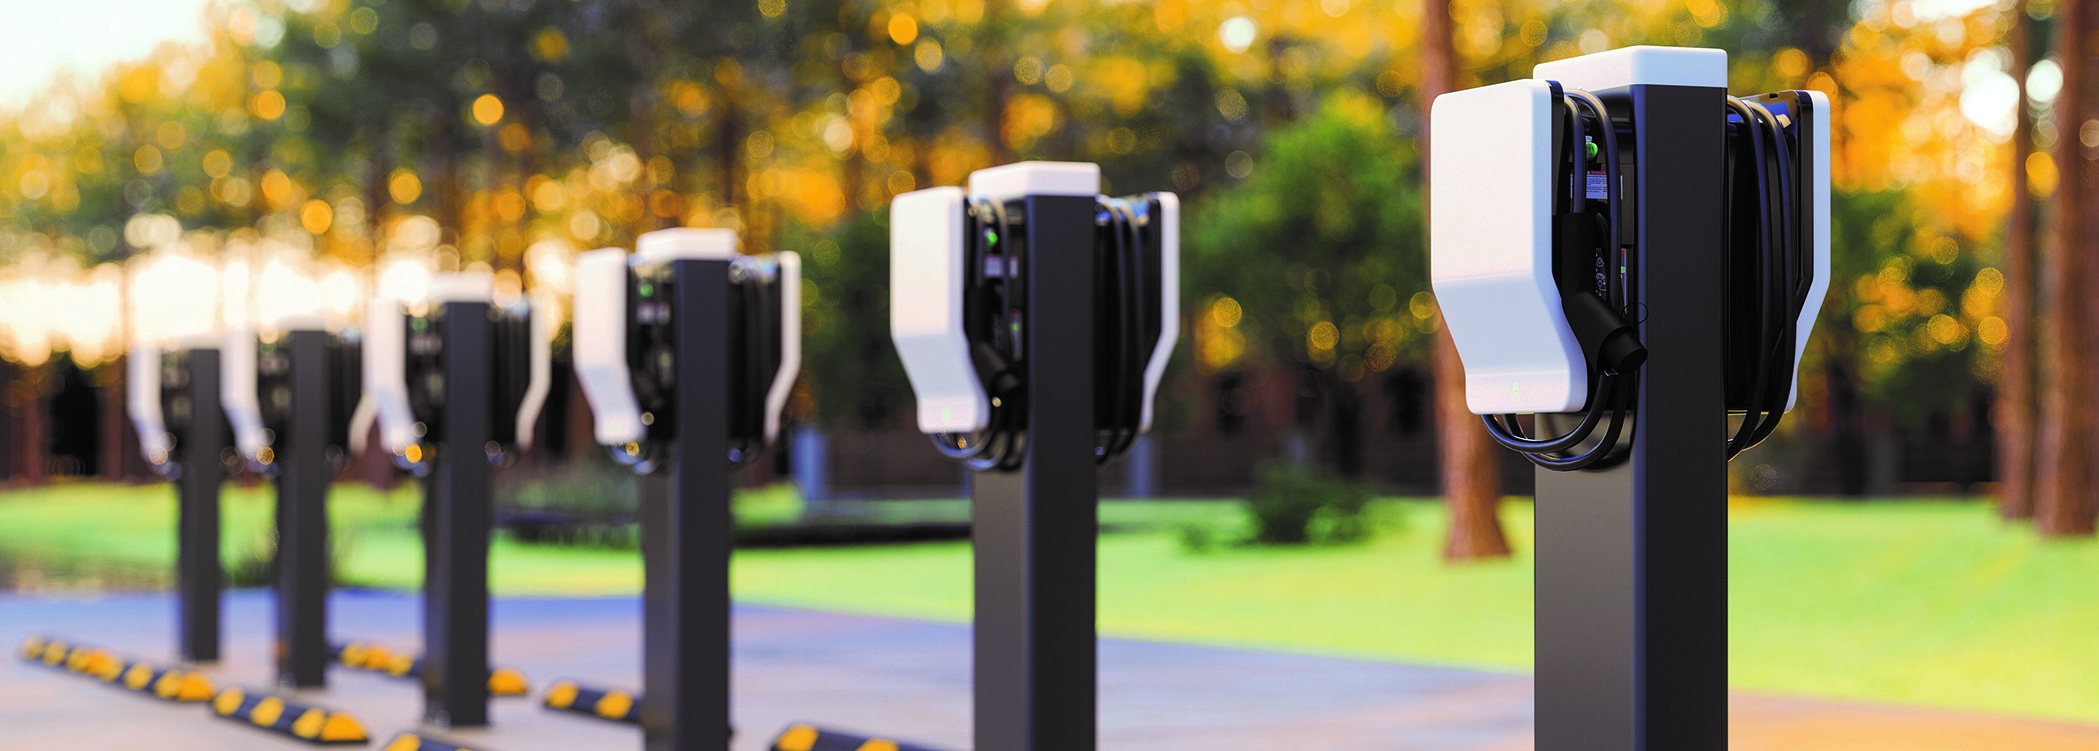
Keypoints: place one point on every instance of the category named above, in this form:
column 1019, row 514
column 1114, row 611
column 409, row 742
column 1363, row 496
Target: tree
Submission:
column 2069, row 440
column 1306, row 259
column 2014, row 417
column 1471, row 470
column 850, row 361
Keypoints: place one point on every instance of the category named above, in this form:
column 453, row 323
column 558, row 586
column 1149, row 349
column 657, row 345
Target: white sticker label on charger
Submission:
column 1599, row 186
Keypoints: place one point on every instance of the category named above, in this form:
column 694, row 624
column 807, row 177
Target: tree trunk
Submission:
column 111, row 447
column 377, row 170
column 10, row 419
column 853, row 174
column 728, row 136
column 1471, row 471
column 643, row 105
column 2076, row 514
column 1344, row 424
column 1439, row 58
column 1818, row 27
column 1280, row 109
column 2064, row 504
column 442, row 183
column 1471, row 468
column 33, row 441
column 1847, row 416
column 998, row 84
column 374, row 466
column 2012, row 421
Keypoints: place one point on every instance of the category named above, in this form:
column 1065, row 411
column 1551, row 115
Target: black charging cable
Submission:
column 1610, row 342
column 1123, row 247
column 1765, row 144
column 759, row 346
column 1793, row 279
column 1614, row 239
column 1782, row 281
column 654, row 375
column 993, row 304
column 993, row 301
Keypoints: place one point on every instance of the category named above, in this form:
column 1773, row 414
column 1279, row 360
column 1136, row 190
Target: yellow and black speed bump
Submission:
column 277, row 715
column 378, row 658
column 806, row 737
column 169, row 683
column 362, row 655
column 51, row 652
column 604, row 704
column 414, row 741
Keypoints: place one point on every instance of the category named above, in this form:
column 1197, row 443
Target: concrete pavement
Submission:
column 905, row 679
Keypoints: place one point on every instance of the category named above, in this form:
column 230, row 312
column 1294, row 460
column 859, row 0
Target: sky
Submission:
column 41, row 38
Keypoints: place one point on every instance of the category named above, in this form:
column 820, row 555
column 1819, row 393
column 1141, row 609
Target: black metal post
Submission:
column 1034, row 531
column 302, row 516
column 659, row 625
column 689, row 529
column 1632, row 560
column 199, row 576
column 455, row 591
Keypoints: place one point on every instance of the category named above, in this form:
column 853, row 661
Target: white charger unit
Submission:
column 386, row 362
column 1818, row 231
column 928, row 266
column 1683, row 66
column 142, row 401
column 1010, row 181
column 386, row 353
column 1490, row 249
column 603, row 317
column 1638, row 65
column 1169, row 312
column 790, row 272
column 599, row 330
column 543, row 326
column 1490, row 223
column 926, row 273
column 386, row 377
column 239, row 396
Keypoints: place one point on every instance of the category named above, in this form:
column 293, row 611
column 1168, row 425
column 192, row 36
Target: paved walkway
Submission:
column 907, row 679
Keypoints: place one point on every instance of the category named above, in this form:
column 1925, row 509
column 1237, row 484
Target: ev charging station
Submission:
column 456, row 382
column 1617, row 241
column 1034, row 317
column 290, row 398
column 687, row 351
column 173, row 397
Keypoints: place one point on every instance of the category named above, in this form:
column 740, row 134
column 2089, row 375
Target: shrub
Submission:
column 256, row 565
column 1198, row 538
column 1296, row 505
column 598, row 504
column 587, row 503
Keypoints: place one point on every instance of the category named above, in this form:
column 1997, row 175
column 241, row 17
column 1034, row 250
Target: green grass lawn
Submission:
column 1927, row 603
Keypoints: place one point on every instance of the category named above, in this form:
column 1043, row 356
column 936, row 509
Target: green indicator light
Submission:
column 648, row 290
column 419, row 323
column 1590, row 149
column 990, row 237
